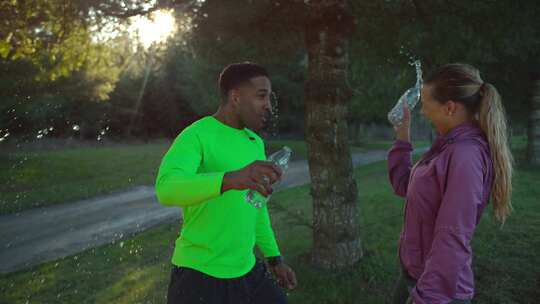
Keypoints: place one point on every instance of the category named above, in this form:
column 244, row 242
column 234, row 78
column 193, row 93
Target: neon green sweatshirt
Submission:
column 219, row 231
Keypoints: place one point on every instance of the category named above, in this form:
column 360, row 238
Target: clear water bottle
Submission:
column 411, row 97
column 281, row 158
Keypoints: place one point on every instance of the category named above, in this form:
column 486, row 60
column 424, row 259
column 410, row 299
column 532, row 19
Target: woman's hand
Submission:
column 403, row 130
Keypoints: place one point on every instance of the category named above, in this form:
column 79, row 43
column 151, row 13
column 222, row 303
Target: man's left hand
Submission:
column 284, row 275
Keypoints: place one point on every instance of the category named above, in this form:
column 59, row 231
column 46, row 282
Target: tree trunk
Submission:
column 336, row 240
column 533, row 143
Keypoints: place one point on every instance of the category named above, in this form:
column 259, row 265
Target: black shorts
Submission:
column 256, row 287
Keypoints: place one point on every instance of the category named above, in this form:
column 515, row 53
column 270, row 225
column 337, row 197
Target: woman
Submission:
column 448, row 189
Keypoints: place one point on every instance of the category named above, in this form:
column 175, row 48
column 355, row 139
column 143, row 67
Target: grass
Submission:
column 36, row 179
column 44, row 178
column 300, row 149
column 137, row 270
column 384, row 144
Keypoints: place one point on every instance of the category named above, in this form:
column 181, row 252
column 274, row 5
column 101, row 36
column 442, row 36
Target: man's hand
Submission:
column 284, row 275
column 258, row 176
column 403, row 130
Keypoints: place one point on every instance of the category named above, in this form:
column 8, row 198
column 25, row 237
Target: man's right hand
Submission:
column 258, row 176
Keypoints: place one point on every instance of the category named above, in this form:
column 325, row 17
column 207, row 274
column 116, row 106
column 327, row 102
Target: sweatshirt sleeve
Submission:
column 178, row 181
column 454, row 228
column 264, row 235
column 399, row 166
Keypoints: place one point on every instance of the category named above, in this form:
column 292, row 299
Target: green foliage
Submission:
column 57, row 49
column 32, row 31
column 233, row 31
column 486, row 34
column 197, row 82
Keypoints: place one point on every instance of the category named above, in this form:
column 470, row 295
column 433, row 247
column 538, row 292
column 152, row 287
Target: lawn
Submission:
column 37, row 179
column 136, row 270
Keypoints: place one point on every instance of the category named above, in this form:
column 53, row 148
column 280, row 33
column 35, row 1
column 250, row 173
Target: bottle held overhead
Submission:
column 411, row 97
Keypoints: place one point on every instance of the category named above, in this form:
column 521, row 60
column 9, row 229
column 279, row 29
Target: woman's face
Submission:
column 433, row 110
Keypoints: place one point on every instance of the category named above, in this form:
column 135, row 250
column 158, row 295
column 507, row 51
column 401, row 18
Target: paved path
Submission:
column 46, row 234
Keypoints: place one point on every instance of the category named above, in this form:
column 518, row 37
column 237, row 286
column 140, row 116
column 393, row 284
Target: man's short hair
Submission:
column 237, row 73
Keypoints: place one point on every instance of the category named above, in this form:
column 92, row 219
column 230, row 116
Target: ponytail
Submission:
column 492, row 120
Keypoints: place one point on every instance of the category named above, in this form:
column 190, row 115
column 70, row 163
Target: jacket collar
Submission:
column 467, row 130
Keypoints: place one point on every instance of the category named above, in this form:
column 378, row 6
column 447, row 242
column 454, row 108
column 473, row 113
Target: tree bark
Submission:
column 336, row 240
column 533, row 142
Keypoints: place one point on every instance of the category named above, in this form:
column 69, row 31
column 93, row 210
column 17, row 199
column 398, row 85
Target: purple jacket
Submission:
column 446, row 192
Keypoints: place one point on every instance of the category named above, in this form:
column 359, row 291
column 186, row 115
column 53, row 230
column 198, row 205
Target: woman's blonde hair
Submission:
column 462, row 83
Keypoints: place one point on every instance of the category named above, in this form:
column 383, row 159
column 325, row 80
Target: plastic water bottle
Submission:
column 281, row 158
column 411, row 97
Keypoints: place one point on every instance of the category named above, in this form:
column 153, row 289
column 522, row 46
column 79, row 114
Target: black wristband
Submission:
column 275, row 260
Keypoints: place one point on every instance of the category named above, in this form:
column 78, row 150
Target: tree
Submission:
column 71, row 52
column 336, row 239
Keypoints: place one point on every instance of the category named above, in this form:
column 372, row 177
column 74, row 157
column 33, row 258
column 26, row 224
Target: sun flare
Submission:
column 154, row 29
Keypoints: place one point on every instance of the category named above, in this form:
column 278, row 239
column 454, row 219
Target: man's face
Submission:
column 253, row 102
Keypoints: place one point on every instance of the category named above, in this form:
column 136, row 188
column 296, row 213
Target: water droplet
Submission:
column 4, row 137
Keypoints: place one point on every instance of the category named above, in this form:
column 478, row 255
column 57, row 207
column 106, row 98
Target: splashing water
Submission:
column 273, row 125
column 5, row 136
column 411, row 97
column 44, row 132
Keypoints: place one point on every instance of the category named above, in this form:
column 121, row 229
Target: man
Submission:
column 207, row 171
